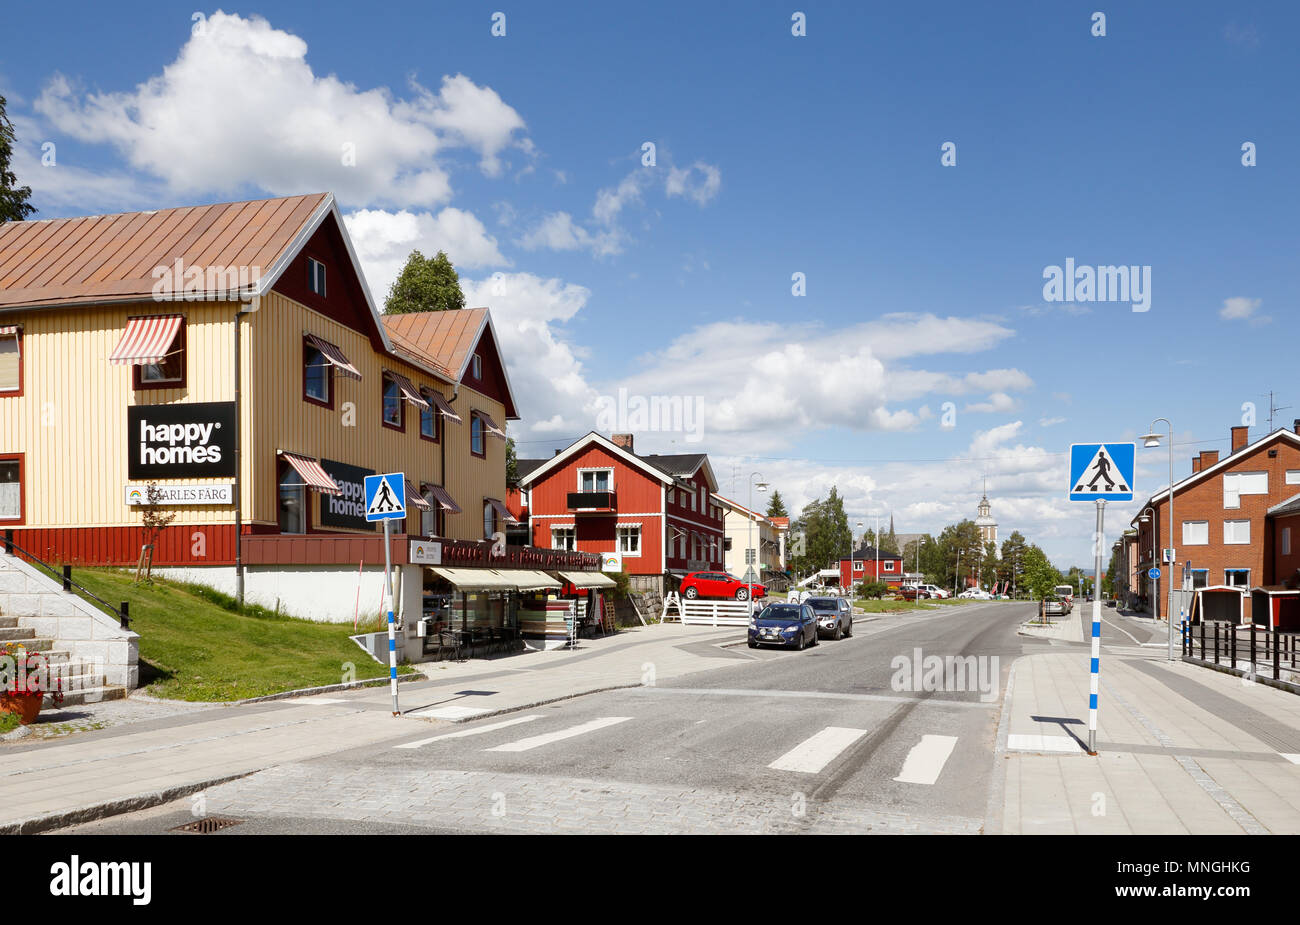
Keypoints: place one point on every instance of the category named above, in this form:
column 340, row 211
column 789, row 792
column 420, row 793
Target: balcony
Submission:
column 591, row 501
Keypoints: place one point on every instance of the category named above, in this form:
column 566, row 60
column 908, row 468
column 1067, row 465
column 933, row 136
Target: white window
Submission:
column 1236, row 532
column 1293, row 476
column 1196, row 532
column 1236, row 484
column 564, row 538
column 316, row 276
column 478, row 367
column 10, row 362
column 629, row 539
column 889, row 566
column 595, row 479
column 858, row 566
column 1286, row 541
column 11, row 490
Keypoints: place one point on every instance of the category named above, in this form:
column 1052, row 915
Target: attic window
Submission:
column 477, row 367
column 316, row 277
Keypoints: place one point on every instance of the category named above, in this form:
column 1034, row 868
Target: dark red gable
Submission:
column 493, row 381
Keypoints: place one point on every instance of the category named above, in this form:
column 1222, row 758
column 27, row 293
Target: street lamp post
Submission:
column 1152, row 439
column 749, row 533
column 1151, row 519
column 956, row 573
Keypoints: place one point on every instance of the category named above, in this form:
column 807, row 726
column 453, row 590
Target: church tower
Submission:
column 988, row 527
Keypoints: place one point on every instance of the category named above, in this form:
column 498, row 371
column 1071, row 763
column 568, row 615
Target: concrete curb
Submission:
column 993, row 811
column 327, row 689
column 112, row 807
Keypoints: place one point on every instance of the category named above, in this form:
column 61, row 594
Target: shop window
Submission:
column 316, row 277
column 11, row 489
column 476, row 435
column 629, row 540
column 1237, row 577
column 169, row 374
column 393, row 410
column 429, row 418
column 293, row 501
column 317, row 376
column 11, row 362
column 564, row 538
column 489, row 520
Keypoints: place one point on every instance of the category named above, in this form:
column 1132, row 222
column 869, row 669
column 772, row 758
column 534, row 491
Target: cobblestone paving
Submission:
column 475, row 801
column 83, row 717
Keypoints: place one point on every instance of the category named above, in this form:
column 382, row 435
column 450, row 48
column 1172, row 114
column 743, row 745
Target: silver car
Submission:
column 834, row 616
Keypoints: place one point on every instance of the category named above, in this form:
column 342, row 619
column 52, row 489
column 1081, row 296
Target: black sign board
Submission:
column 349, row 508
column 182, row 441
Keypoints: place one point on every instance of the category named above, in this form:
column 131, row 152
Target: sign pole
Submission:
column 1096, row 632
column 392, row 635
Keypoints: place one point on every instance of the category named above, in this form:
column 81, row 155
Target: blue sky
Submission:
column 521, row 155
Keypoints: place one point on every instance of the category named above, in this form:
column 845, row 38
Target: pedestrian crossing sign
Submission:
column 386, row 496
column 1102, row 471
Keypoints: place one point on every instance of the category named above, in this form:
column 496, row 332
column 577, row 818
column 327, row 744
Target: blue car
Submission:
column 783, row 624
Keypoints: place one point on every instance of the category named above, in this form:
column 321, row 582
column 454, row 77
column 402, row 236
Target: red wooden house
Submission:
column 655, row 513
column 863, row 564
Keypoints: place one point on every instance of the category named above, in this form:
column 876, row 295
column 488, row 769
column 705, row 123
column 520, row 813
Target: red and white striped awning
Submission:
column 408, row 390
column 312, row 474
column 335, row 356
column 443, row 405
column 502, row 511
column 414, row 497
column 491, row 426
column 9, row 329
column 147, row 340
column 445, row 501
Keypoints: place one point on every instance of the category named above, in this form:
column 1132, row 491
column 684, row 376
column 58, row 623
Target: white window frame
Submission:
column 1236, row 483
column 889, row 565
column 1230, row 584
column 593, row 469
column 312, row 265
column 477, row 367
column 619, row 536
column 570, row 530
column 1235, row 542
column 18, row 351
column 1194, row 523
column 1293, row 476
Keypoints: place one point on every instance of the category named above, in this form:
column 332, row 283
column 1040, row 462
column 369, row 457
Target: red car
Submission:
column 718, row 584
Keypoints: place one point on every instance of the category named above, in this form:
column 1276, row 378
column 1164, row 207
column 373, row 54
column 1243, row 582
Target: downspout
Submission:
column 442, row 449
column 239, row 427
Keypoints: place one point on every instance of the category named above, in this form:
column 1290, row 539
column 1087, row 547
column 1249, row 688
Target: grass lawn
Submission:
column 195, row 646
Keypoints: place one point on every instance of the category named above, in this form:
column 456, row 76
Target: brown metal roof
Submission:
column 102, row 258
column 445, row 339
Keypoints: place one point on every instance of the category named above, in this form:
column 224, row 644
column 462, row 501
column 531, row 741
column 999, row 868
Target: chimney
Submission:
column 558, row 452
column 1196, row 463
column 623, row 441
column 1209, row 458
column 1240, row 437
column 1296, row 425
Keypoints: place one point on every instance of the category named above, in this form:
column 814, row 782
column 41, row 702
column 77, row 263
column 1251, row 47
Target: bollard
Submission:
column 67, row 578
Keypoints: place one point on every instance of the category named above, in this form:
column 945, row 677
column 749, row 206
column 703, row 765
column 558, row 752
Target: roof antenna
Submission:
column 1272, row 410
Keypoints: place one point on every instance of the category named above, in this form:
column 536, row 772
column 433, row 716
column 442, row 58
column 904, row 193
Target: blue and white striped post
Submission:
column 392, row 629
column 1096, row 630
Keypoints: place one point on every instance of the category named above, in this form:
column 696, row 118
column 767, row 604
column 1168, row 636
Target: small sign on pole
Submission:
column 386, row 501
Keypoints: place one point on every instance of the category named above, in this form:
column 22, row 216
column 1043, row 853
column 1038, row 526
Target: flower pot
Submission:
column 27, row 707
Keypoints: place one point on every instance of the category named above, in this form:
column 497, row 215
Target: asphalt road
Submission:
column 835, row 738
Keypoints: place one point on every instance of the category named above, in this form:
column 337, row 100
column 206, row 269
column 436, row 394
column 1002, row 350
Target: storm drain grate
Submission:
column 207, row 825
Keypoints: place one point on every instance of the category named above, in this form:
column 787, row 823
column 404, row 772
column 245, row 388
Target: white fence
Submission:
column 708, row 613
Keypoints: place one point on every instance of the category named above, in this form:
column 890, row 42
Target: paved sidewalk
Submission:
column 1181, row 749
column 97, row 773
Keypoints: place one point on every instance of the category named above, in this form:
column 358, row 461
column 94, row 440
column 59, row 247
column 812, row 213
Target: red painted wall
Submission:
column 176, row 545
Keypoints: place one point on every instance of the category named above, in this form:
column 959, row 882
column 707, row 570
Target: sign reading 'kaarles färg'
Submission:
column 347, row 509
column 183, row 441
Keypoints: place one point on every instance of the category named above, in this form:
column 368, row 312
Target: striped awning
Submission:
column 312, row 474
column 335, row 357
column 9, row 329
column 408, row 389
column 445, row 500
column 502, row 511
column 491, row 426
column 474, row 579
column 414, row 497
column 147, row 340
column 444, row 406
column 587, row 579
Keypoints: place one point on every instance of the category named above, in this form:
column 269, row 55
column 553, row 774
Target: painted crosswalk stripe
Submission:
column 814, row 753
column 477, row 730
column 524, row 745
column 924, row 763
column 447, row 712
column 1294, row 759
column 1041, row 743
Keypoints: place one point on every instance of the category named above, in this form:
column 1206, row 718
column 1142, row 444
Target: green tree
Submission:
column 1040, row 576
column 1013, row 555
column 512, row 463
column 776, row 505
column 14, row 206
column 825, row 527
column 960, row 544
column 425, row 285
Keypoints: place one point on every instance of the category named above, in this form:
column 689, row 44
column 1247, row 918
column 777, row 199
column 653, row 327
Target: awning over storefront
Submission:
column 147, row 340
column 408, row 389
column 502, row 511
column 528, row 580
column 414, row 497
column 587, row 579
column 474, row 579
column 491, row 426
column 312, row 474
column 444, row 407
column 445, row 500
column 9, row 329
column 335, row 357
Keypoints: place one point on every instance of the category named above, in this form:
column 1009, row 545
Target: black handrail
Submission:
column 123, row 613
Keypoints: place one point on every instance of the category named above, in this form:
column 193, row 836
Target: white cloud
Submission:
column 240, row 106
column 384, row 240
column 684, row 182
column 1050, row 422
column 1239, row 308
column 559, row 232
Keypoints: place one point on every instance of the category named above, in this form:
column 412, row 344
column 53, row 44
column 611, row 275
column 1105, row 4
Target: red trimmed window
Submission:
column 12, row 502
column 394, row 406
column 477, row 436
column 317, row 376
column 430, row 419
column 11, row 364
column 169, row 374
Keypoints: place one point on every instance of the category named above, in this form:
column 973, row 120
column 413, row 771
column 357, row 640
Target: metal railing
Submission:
column 1255, row 650
column 64, row 575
